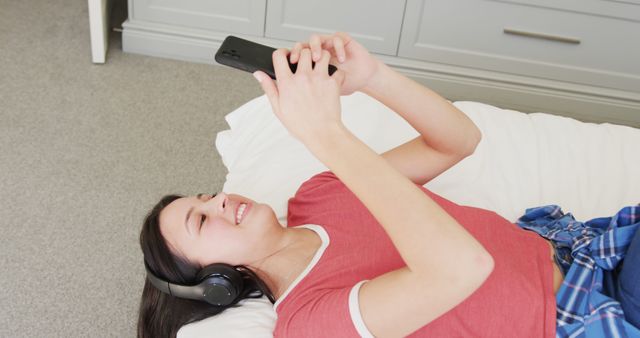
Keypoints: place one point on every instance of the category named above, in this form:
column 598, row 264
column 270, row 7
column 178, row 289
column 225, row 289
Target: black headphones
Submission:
column 217, row 284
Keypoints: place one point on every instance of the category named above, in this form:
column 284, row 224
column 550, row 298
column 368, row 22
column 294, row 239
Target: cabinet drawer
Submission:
column 239, row 16
column 516, row 38
column 375, row 24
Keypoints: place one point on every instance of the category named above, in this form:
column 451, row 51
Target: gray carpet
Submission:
column 86, row 151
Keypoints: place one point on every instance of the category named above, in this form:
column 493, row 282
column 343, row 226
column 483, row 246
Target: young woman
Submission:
column 367, row 250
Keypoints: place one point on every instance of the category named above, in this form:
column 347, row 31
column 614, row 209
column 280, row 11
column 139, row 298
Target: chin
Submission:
column 264, row 216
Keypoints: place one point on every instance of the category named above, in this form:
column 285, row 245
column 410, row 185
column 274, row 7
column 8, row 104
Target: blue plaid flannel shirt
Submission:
column 584, row 251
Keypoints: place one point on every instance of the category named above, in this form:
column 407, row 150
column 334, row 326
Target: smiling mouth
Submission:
column 240, row 213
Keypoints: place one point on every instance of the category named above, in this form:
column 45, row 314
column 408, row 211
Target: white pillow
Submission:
column 529, row 160
column 523, row 161
column 254, row 317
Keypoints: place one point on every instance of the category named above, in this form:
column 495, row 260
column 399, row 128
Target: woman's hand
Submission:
column 307, row 102
column 347, row 54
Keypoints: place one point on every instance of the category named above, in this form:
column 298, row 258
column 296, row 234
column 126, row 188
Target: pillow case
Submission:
column 523, row 161
column 529, row 160
column 254, row 317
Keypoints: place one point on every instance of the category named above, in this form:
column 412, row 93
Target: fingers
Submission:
column 270, row 89
column 322, row 66
column 346, row 38
column 318, row 42
column 304, row 65
column 280, row 63
column 295, row 51
column 338, row 45
column 315, row 43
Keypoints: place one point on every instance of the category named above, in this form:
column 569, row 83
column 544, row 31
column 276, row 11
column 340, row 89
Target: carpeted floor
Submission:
column 86, row 151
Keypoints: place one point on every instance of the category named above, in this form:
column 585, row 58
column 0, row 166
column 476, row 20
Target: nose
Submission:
column 219, row 201
column 216, row 205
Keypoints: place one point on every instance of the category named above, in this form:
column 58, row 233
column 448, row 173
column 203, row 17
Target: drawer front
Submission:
column 376, row 25
column 238, row 16
column 527, row 40
column 622, row 9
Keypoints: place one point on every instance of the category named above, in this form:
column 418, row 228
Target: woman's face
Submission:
column 204, row 229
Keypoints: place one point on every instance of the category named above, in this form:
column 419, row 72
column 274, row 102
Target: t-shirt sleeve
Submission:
column 316, row 198
column 317, row 181
column 332, row 313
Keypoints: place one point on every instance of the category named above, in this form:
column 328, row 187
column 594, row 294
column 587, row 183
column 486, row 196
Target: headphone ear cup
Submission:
column 222, row 283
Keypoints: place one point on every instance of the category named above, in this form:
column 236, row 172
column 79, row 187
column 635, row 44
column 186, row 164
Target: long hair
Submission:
column 162, row 315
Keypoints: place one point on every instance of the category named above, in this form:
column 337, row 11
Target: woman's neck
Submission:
column 282, row 268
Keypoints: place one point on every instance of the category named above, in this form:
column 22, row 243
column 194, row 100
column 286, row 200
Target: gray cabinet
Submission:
column 577, row 58
column 238, row 16
column 297, row 20
column 518, row 38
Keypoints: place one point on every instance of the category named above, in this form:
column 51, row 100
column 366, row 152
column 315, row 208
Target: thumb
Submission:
column 269, row 87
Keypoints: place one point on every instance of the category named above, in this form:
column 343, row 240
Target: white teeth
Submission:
column 240, row 212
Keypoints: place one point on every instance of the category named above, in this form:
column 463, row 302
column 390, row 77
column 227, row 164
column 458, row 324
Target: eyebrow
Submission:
column 186, row 225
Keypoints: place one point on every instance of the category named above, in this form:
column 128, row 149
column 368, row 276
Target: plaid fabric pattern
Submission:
column 584, row 250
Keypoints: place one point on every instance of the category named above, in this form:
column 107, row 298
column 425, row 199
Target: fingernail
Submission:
column 257, row 76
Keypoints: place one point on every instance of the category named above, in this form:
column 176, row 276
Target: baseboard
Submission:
column 527, row 94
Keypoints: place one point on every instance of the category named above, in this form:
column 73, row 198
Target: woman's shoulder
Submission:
column 320, row 180
column 321, row 177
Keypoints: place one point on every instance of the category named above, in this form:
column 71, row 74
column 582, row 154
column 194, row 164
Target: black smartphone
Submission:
column 250, row 56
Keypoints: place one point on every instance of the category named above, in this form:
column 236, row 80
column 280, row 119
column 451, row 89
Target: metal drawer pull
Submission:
column 542, row 36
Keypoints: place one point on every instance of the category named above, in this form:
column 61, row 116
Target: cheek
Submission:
column 223, row 232
column 216, row 229
column 222, row 245
column 261, row 217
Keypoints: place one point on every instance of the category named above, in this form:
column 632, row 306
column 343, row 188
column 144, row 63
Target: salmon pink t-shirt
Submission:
column 516, row 300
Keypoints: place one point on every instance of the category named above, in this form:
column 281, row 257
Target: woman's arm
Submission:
column 445, row 264
column 443, row 127
column 446, row 134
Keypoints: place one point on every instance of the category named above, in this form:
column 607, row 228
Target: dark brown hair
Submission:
column 162, row 315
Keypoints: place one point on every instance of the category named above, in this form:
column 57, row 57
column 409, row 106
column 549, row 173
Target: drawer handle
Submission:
column 542, row 36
